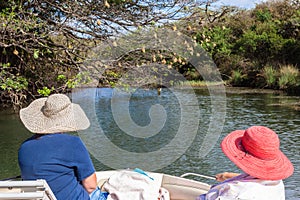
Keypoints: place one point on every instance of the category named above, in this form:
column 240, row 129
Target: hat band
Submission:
column 48, row 112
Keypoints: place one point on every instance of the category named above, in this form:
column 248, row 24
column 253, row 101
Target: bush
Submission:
column 215, row 40
column 237, row 78
column 270, row 74
column 288, row 77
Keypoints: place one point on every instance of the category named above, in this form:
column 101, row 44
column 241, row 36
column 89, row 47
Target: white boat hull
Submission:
column 179, row 188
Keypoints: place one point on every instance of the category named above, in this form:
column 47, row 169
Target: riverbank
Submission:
column 9, row 109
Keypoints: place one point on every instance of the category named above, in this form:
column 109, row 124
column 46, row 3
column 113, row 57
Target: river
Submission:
column 175, row 132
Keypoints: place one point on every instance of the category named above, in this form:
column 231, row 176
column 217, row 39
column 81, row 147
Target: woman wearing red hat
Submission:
column 256, row 152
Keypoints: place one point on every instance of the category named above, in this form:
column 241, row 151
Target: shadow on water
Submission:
column 244, row 109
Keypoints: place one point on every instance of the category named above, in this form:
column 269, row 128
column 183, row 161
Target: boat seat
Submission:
column 31, row 190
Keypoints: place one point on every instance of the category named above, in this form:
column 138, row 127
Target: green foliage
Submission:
column 14, row 83
column 45, row 91
column 61, row 77
column 261, row 44
column 263, row 15
column 46, row 42
column 112, row 74
column 270, row 75
column 252, row 39
column 289, row 77
column 80, row 79
column 215, row 39
column 237, row 78
column 39, row 48
column 113, row 77
column 10, row 82
column 36, row 54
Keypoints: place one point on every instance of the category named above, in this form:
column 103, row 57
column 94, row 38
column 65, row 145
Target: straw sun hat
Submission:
column 53, row 115
column 256, row 151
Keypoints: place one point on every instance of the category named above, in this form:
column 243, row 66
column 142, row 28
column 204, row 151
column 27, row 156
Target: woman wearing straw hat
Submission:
column 256, row 152
column 61, row 159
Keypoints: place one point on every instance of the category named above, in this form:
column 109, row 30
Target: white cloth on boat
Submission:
column 246, row 187
column 131, row 185
column 164, row 194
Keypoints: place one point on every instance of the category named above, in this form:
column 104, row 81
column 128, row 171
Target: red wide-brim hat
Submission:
column 256, row 151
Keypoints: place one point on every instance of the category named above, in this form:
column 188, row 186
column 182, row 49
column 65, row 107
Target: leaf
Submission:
column 61, row 77
column 15, row 52
column 106, row 4
column 3, row 87
column 45, row 91
column 36, row 54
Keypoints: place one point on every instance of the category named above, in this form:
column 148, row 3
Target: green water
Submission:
column 12, row 135
column 243, row 109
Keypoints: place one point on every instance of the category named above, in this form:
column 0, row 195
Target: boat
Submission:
column 179, row 187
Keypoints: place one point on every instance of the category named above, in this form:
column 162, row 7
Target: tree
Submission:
column 243, row 42
column 43, row 42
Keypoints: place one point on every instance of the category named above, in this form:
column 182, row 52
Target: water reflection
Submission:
column 139, row 106
column 12, row 134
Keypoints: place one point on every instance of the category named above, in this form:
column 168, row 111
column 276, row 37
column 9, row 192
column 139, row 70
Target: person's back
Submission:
column 61, row 160
column 246, row 187
column 256, row 151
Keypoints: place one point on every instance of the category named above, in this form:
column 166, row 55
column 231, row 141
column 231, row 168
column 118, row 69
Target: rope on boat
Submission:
column 199, row 175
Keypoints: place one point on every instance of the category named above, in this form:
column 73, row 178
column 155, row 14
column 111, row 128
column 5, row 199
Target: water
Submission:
column 242, row 110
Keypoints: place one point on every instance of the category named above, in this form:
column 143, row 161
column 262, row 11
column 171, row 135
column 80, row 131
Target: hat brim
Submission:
column 70, row 119
column 275, row 169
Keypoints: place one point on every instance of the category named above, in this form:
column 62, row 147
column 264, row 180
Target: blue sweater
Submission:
column 61, row 159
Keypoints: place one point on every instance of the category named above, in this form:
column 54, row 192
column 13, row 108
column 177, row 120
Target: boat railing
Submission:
column 33, row 190
column 198, row 175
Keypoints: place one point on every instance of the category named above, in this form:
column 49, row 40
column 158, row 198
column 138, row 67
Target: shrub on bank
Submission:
column 270, row 75
column 237, row 78
column 288, row 77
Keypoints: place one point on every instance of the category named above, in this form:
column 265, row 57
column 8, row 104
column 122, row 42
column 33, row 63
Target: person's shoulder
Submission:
column 248, row 187
column 66, row 137
column 255, row 184
column 69, row 136
column 28, row 141
column 69, row 140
